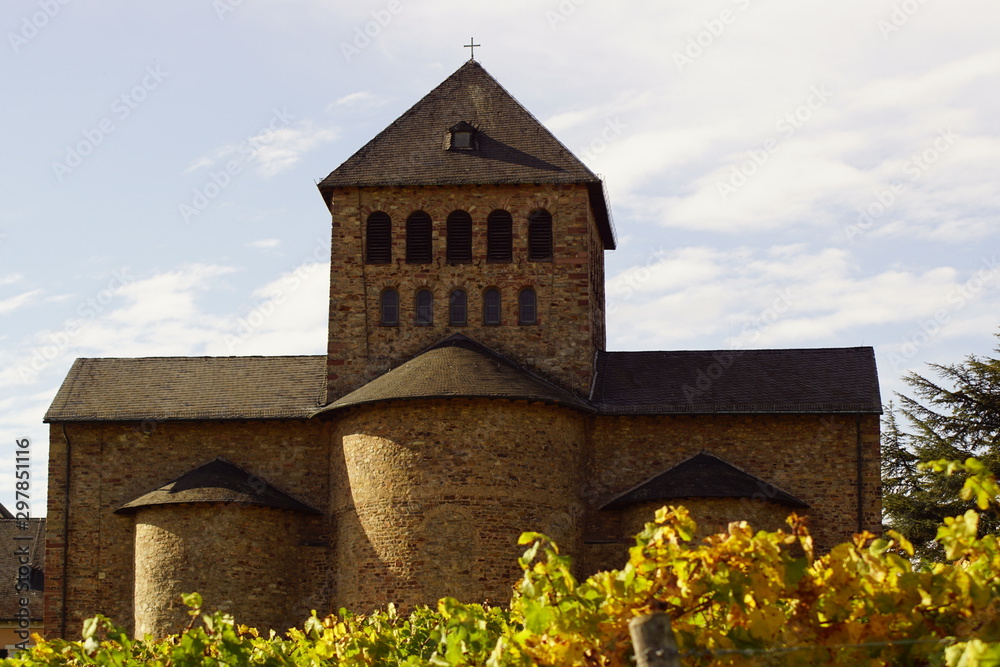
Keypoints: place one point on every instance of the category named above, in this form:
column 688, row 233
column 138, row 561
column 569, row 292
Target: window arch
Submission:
column 459, row 237
column 419, row 249
column 491, row 307
column 458, row 308
column 424, row 310
column 499, row 237
column 527, row 307
column 539, row 235
column 389, row 307
column 378, row 238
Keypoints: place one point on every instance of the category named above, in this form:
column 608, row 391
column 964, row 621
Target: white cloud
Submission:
column 11, row 304
column 784, row 296
column 282, row 148
column 271, row 150
column 265, row 243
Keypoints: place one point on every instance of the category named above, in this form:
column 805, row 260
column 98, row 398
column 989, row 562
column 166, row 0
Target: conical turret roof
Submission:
column 458, row 367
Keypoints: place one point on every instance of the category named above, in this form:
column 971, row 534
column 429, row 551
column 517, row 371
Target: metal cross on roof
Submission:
column 472, row 48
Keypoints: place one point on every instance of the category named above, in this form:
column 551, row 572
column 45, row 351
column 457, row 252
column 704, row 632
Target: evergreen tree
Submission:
column 956, row 417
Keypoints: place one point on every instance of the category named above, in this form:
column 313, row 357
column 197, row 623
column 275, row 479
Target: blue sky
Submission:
column 781, row 173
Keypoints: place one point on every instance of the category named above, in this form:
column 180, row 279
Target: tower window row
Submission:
column 458, row 237
column 458, row 307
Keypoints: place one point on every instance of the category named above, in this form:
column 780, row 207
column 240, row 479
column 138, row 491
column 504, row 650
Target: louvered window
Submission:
column 491, row 307
column 539, row 235
column 418, row 238
column 389, row 307
column 458, row 311
column 459, row 249
column 499, row 237
column 378, row 239
column 424, row 315
column 527, row 307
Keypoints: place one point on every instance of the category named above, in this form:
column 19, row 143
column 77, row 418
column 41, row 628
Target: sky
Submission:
column 781, row 173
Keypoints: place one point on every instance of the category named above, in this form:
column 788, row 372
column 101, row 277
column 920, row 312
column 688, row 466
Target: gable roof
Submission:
column 218, row 481
column 457, row 367
column 512, row 146
column 17, row 534
column 153, row 388
column 703, row 476
column 803, row 381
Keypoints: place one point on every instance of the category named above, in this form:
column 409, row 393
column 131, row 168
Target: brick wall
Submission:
column 243, row 559
column 431, row 496
column 113, row 463
column 569, row 288
column 812, row 457
column 420, row 499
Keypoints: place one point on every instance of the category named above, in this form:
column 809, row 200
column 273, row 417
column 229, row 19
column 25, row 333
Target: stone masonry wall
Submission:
column 113, row 463
column 430, row 496
column 569, row 288
column 243, row 559
column 812, row 457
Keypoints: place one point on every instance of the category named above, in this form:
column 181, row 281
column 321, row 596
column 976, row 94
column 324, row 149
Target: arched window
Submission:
column 378, row 239
column 424, row 312
column 389, row 308
column 418, row 238
column 458, row 308
column 539, row 235
column 527, row 307
column 499, row 237
column 459, row 240
column 491, row 307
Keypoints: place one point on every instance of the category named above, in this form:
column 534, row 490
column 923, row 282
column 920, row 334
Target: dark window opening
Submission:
column 418, row 238
column 539, row 235
column 462, row 137
column 491, row 307
column 378, row 239
column 459, row 240
column 36, row 579
column 527, row 310
column 424, row 315
column 458, row 314
column 389, row 308
column 499, row 237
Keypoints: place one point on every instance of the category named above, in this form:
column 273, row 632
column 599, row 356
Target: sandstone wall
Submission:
column 569, row 288
column 812, row 457
column 113, row 463
column 430, row 497
column 243, row 559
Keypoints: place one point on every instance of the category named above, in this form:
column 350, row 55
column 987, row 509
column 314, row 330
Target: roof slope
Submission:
column 28, row 535
column 821, row 380
column 703, row 476
column 458, row 367
column 218, row 481
column 190, row 388
column 512, row 146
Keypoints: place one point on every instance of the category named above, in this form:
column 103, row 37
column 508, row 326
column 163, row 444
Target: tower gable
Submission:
column 509, row 146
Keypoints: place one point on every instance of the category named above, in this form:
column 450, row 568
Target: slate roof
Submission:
column 802, row 381
column 513, row 147
column 458, row 367
column 154, row 388
column 218, row 481
column 15, row 534
column 704, row 476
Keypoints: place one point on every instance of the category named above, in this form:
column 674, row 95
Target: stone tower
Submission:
column 466, row 215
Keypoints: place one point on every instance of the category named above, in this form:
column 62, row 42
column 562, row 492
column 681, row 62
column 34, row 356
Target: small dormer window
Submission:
column 462, row 137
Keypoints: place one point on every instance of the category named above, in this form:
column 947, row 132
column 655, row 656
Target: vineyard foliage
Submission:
column 736, row 598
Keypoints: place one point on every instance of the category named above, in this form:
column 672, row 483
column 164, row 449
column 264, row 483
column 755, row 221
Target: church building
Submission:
column 466, row 396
